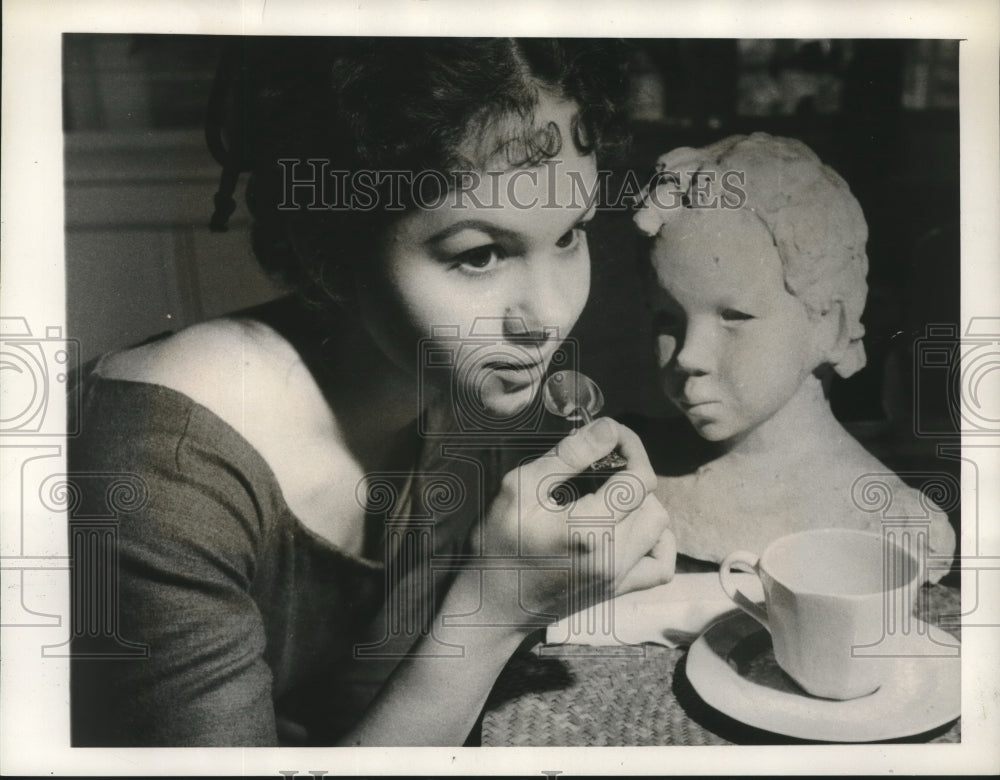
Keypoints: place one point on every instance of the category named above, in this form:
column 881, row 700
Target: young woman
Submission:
column 261, row 585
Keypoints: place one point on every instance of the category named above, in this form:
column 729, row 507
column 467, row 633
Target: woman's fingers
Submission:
column 648, row 572
column 630, row 446
column 585, row 445
column 623, row 510
column 665, row 548
column 655, row 568
column 580, row 449
column 639, row 533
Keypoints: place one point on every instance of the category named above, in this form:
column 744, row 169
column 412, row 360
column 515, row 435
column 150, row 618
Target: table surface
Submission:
column 575, row 695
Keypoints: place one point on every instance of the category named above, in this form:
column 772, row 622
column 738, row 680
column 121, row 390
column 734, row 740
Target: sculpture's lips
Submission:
column 687, row 405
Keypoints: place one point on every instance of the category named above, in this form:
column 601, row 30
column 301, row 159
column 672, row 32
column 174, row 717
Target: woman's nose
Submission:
column 520, row 326
column 541, row 307
column 694, row 354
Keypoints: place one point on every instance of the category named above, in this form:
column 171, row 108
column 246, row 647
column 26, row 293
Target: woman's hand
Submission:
column 537, row 561
column 564, row 556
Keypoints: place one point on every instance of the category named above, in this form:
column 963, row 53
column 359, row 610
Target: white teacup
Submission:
column 826, row 593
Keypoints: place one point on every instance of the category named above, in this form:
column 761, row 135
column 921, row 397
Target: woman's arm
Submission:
column 436, row 700
column 189, row 556
column 186, row 557
column 432, row 700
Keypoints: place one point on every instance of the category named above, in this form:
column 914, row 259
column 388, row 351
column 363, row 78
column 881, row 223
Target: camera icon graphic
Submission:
column 960, row 373
column 490, row 379
column 35, row 378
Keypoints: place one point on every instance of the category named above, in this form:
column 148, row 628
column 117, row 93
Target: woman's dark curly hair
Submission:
column 387, row 104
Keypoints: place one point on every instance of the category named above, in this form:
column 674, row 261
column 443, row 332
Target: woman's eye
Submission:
column 735, row 315
column 571, row 237
column 482, row 259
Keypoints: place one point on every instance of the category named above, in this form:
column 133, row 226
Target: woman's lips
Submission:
column 515, row 376
column 497, row 365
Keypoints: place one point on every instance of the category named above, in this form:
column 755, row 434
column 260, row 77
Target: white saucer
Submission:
column 732, row 668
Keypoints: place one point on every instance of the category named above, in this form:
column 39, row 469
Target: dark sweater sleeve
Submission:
column 186, row 561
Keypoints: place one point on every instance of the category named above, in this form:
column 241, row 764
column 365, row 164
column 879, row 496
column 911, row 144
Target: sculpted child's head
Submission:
column 759, row 257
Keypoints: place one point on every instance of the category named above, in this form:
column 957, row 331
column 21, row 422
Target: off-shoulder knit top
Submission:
column 204, row 611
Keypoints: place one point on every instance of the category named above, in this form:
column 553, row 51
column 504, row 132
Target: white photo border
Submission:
column 34, row 691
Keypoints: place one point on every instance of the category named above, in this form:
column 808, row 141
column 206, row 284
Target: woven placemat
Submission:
column 595, row 700
column 591, row 696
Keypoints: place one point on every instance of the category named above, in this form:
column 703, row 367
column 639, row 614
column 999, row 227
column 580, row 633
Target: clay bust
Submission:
column 758, row 292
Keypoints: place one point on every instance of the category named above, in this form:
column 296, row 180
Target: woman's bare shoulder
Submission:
column 234, row 367
column 254, row 379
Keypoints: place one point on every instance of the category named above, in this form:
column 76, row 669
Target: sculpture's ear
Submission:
column 832, row 335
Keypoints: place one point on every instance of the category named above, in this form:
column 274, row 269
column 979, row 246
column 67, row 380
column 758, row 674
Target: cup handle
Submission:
column 745, row 561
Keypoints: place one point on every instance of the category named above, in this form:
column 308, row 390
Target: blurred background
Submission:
column 884, row 113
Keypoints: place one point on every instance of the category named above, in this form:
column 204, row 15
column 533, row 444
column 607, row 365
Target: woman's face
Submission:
column 482, row 289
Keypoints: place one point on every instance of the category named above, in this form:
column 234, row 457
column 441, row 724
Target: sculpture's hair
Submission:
column 388, row 104
column 815, row 222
